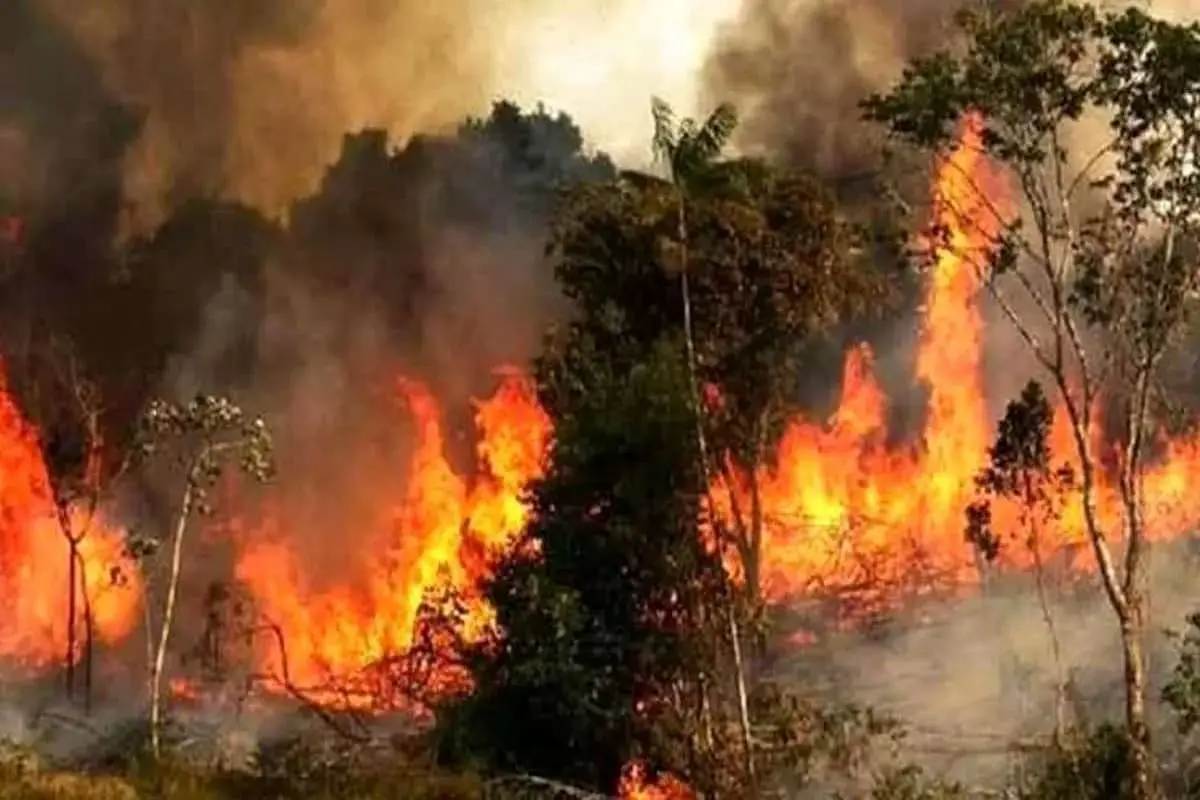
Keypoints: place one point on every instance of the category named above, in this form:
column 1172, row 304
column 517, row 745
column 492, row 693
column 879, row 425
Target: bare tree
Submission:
column 65, row 405
column 1097, row 273
column 200, row 439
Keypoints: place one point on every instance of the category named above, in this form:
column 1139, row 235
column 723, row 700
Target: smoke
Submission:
column 797, row 70
column 975, row 679
column 250, row 100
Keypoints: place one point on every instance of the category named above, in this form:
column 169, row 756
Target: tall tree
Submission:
column 1097, row 270
column 688, row 152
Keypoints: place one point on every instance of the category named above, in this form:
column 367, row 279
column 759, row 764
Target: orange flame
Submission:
column 846, row 511
column 636, row 784
column 850, row 516
column 441, row 531
column 34, row 569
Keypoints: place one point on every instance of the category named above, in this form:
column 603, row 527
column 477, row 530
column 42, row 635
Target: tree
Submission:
column 608, row 637
column 738, row 262
column 688, row 152
column 63, row 405
column 745, row 262
column 386, row 210
column 71, row 449
column 1102, row 254
column 202, row 438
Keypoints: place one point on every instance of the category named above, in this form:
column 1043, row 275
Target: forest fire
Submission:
column 848, row 515
column 846, row 512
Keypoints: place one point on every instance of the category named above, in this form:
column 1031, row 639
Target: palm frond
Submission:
column 709, row 139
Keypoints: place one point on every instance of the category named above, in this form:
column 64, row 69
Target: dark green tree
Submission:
column 1093, row 264
column 610, row 640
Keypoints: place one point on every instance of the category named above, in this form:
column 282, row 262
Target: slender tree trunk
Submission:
column 164, row 634
column 1142, row 766
column 1126, row 597
column 64, row 524
column 89, row 630
column 706, row 472
column 1133, row 621
column 1133, row 634
column 72, row 604
column 743, row 699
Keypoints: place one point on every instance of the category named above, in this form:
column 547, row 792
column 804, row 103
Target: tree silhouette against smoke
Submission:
column 373, row 235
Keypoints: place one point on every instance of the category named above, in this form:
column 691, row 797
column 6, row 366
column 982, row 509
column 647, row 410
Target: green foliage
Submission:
column 1020, row 467
column 1182, row 692
column 609, row 632
column 613, row 615
column 771, row 261
column 689, row 149
column 1088, row 765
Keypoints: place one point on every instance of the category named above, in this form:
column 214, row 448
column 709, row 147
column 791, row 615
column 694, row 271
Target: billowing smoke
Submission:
column 798, row 69
column 275, row 202
column 251, row 99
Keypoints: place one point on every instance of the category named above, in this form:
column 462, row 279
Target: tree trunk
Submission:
column 64, row 526
column 164, row 634
column 72, row 604
column 706, row 473
column 89, row 629
column 1133, row 621
column 1141, row 758
column 743, row 698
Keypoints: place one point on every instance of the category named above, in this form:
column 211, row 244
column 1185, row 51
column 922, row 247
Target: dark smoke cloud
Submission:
column 61, row 135
column 797, row 70
column 250, row 99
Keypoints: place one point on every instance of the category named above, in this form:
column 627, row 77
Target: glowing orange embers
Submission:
column 636, row 784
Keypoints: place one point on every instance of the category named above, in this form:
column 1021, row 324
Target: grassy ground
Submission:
column 297, row 772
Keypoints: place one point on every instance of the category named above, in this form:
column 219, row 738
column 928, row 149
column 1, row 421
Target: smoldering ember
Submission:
column 825, row 429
